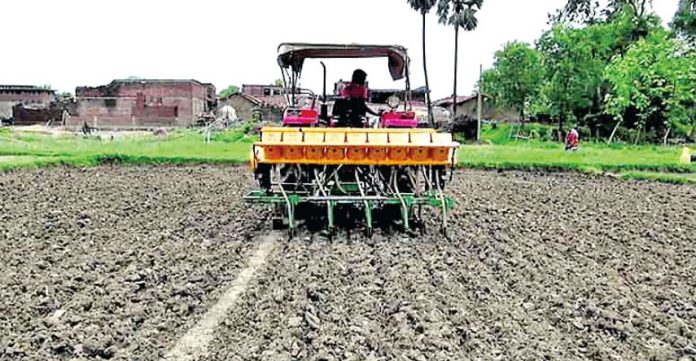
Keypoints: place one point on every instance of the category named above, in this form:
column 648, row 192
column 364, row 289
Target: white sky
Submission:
column 69, row 43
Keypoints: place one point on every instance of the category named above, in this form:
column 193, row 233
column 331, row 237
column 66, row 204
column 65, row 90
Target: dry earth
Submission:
column 119, row 262
column 114, row 262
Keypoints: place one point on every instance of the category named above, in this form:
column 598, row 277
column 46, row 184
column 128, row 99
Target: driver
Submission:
column 356, row 94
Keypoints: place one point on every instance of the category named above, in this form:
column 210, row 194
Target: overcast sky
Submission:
column 72, row 43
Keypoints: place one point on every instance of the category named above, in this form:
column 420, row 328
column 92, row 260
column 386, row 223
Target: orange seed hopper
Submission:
column 354, row 146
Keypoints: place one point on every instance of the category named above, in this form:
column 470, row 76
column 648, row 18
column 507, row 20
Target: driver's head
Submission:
column 359, row 77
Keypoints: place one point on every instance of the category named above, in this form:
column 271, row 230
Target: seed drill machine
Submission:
column 315, row 159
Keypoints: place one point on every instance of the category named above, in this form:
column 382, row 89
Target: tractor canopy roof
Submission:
column 293, row 55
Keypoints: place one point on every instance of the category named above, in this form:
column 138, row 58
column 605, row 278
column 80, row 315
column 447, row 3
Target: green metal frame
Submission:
column 406, row 201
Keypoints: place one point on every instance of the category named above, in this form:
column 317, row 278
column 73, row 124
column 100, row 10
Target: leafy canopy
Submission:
column 592, row 12
column 684, row 22
column 516, row 76
column 232, row 89
column 422, row 6
column 460, row 13
column 655, row 81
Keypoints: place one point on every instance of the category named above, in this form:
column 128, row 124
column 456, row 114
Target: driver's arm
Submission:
column 368, row 110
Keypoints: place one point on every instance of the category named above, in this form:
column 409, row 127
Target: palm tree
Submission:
column 424, row 6
column 461, row 16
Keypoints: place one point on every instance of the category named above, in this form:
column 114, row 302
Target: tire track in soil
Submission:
column 525, row 277
column 115, row 262
column 195, row 341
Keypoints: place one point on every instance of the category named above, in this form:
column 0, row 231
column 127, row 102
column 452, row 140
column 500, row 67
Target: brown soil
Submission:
column 119, row 262
column 114, row 262
column 527, row 275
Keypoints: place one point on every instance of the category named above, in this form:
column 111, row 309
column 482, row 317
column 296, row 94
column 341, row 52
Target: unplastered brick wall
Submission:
column 142, row 103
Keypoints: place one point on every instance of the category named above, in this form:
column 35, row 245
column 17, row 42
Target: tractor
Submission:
column 340, row 158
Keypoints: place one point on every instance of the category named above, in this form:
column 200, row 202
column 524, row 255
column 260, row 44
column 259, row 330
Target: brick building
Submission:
column 260, row 102
column 138, row 103
column 11, row 95
column 262, row 90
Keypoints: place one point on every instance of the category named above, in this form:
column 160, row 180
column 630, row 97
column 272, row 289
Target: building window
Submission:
column 267, row 91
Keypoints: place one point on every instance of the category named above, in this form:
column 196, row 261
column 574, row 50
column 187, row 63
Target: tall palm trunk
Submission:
column 456, row 60
column 431, row 119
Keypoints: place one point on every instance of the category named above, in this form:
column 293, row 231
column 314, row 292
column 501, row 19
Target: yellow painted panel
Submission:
column 442, row 138
column 354, row 146
column 314, row 137
column 398, row 138
column 295, row 137
column 271, row 136
column 356, row 138
column 335, row 138
column 420, row 138
column 377, row 138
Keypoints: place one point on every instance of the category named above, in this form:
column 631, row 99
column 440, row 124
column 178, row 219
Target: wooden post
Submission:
column 479, row 105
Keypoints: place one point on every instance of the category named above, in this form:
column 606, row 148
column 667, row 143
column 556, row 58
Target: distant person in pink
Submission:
column 572, row 139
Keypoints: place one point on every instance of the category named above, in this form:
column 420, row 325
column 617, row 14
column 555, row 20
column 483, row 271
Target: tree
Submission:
column 232, row 89
column 516, row 77
column 279, row 83
column 424, row 7
column 684, row 22
column 573, row 73
column 654, row 83
column 591, row 12
column 574, row 60
column 458, row 13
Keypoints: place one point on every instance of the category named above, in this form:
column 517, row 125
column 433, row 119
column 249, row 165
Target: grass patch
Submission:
column 503, row 133
column 552, row 156
column 23, row 149
column 179, row 147
column 661, row 177
column 22, row 162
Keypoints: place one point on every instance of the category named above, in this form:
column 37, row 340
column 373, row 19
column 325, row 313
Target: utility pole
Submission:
column 457, row 11
column 480, row 104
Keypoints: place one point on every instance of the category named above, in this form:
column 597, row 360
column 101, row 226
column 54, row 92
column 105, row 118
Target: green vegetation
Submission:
column 516, row 76
column 684, row 22
column 25, row 149
column 661, row 177
column 534, row 149
column 657, row 87
column 589, row 158
column 505, row 133
column 500, row 151
column 612, row 69
column 232, row 89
